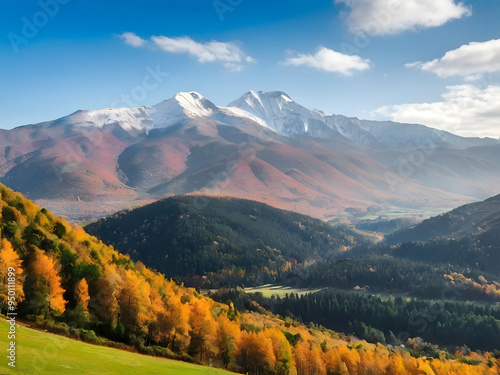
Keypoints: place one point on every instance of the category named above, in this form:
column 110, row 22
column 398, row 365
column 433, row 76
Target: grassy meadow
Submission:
column 40, row 353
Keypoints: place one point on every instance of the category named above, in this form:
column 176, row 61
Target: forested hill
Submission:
column 69, row 282
column 238, row 240
column 480, row 219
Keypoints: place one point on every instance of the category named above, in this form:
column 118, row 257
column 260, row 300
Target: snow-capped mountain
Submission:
column 283, row 115
column 289, row 118
column 129, row 119
column 273, row 110
column 263, row 146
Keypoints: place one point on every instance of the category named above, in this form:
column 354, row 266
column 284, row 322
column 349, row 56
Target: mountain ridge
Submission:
column 92, row 163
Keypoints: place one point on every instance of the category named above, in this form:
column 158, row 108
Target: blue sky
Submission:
column 344, row 56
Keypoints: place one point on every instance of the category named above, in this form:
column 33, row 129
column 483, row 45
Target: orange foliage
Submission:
column 281, row 349
column 82, row 293
column 228, row 335
column 255, row 352
column 46, row 274
column 10, row 258
column 172, row 316
column 396, row 365
column 134, row 301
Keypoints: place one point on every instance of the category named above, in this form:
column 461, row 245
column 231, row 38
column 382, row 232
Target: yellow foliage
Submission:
column 255, row 352
column 173, row 316
column 105, row 302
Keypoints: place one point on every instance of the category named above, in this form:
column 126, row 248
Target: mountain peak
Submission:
column 183, row 106
column 191, row 95
column 195, row 104
column 277, row 110
column 268, row 95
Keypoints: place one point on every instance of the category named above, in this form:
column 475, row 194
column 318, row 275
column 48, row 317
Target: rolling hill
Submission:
column 69, row 282
column 222, row 239
column 480, row 220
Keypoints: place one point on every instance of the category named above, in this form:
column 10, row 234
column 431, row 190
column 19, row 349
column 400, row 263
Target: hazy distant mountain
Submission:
column 480, row 219
column 263, row 146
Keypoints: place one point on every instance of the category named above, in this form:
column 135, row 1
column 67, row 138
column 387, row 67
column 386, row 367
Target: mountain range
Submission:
column 264, row 146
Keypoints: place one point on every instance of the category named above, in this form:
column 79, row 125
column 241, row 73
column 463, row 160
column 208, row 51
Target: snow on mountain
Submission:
column 130, row 119
column 277, row 111
column 182, row 107
column 274, row 110
column 289, row 118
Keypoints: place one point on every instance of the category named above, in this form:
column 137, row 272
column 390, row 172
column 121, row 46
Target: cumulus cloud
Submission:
column 132, row 39
column 465, row 110
column 229, row 54
column 468, row 60
column 330, row 61
column 385, row 17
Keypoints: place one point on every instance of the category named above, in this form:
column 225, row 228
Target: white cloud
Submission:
column 465, row 110
column 385, row 17
column 330, row 61
column 132, row 39
column 473, row 78
column 229, row 54
column 468, row 60
column 413, row 64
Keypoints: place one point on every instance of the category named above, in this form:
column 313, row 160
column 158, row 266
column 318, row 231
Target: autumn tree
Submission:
column 281, row 349
column 104, row 304
column 82, row 294
column 255, row 353
column 396, row 365
column 10, row 263
column 351, row 359
column 157, row 327
column 47, row 284
column 332, row 360
column 177, row 321
column 228, row 334
column 134, row 302
column 203, row 328
column 301, row 358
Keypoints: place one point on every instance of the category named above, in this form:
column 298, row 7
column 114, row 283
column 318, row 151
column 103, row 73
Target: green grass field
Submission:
column 269, row 290
column 44, row 353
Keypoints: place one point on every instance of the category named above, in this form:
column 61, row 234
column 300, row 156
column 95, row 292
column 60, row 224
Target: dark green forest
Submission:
column 444, row 290
column 215, row 241
column 389, row 320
